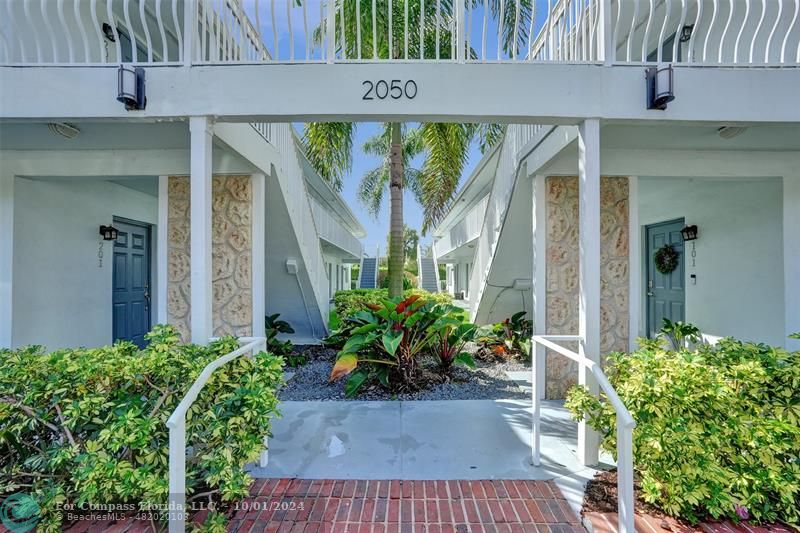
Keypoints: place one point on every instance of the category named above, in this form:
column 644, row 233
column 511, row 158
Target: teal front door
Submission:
column 666, row 293
column 131, row 282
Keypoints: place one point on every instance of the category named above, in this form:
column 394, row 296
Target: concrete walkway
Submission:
column 424, row 440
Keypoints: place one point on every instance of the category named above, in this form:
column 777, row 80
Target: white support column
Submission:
column 791, row 257
column 539, row 277
column 201, row 131
column 589, row 272
column 6, row 258
column 634, row 263
column 259, row 187
column 162, row 250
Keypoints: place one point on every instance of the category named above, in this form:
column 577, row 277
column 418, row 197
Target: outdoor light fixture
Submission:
column 659, row 87
column 686, row 33
column 109, row 233
column 130, row 87
column 689, row 233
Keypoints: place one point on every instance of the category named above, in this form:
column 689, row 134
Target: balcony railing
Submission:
column 333, row 231
column 701, row 32
column 465, row 230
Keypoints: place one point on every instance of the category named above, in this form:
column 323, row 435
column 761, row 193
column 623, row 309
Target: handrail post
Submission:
column 461, row 52
column 536, row 428
column 177, row 477
column 605, row 33
column 189, row 31
column 625, row 477
column 331, row 31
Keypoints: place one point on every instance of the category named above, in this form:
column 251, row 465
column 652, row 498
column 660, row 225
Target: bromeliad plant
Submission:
column 451, row 332
column 510, row 337
column 385, row 342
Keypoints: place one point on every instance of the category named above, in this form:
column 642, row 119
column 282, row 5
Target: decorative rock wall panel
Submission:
column 231, row 260
column 562, row 272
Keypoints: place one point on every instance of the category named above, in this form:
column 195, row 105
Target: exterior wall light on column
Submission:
column 660, row 89
column 689, row 233
column 130, row 87
column 109, row 233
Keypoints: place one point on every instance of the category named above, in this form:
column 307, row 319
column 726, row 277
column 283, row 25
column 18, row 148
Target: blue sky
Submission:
column 377, row 228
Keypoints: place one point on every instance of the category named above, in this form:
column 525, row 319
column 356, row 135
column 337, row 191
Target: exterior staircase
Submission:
column 368, row 273
column 428, row 274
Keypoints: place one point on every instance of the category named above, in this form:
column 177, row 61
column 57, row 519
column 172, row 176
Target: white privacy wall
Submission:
column 61, row 297
column 739, row 263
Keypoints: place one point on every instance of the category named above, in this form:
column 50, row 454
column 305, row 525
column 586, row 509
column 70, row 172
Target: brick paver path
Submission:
column 311, row 506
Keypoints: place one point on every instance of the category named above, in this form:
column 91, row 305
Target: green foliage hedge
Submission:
column 89, row 425
column 718, row 428
column 348, row 303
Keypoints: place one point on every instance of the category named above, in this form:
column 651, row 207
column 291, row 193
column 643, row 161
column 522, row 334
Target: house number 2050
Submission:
column 394, row 89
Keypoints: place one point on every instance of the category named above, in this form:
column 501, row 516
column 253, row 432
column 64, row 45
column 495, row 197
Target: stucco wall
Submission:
column 61, row 296
column 739, row 252
column 231, row 260
column 562, row 272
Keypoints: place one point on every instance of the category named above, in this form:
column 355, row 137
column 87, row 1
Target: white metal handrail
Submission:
column 177, row 432
column 625, row 422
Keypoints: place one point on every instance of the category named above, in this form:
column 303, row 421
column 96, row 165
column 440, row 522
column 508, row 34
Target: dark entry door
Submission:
column 666, row 294
column 131, row 285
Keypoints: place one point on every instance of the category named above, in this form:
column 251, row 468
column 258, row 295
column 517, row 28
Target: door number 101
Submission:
column 394, row 89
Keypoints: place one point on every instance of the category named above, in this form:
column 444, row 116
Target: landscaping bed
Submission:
column 487, row 381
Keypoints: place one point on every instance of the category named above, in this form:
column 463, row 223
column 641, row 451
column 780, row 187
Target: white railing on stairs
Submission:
column 625, row 422
column 177, row 512
column 693, row 32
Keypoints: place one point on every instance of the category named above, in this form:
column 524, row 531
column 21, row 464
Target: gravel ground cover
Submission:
column 488, row 381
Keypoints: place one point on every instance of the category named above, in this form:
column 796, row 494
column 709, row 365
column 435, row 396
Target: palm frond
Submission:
column 329, row 149
column 447, row 151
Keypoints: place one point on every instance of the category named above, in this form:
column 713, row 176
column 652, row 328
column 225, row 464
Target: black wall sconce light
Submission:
column 689, row 233
column 109, row 233
column 130, row 87
column 660, row 89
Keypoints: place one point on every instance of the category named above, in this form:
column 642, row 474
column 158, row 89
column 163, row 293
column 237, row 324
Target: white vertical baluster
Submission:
column 678, row 30
column 358, row 27
column 516, row 32
column 20, row 44
column 696, row 30
column 178, row 29
column 110, row 14
column 661, row 34
column 82, row 28
column 341, row 30
column 758, row 30
column 646, row 38
column 128, row 26
column 391, row 43
column 289, row 24
column 789, row 31
column 549, row 37
column 500, row 18
column 530, row 31
column 405, row 27
column 146, row 29
column 27, row 9
column 710, row 29
column 49, row 29
column 464, row 24
column 632, row 31
column 438, row 24
column 331, row 32
column 162, row 32
column 258, row 26
column 741, row 31
column 731, row 11
column 65, row 32
column 305, row 29
column 615, row 33
column 422, row 29
column 374, row 30
column 276, row 46
column 485, row 28
column 774, row 29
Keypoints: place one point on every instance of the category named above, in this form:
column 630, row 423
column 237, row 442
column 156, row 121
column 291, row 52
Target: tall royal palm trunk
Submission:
column 396, row 252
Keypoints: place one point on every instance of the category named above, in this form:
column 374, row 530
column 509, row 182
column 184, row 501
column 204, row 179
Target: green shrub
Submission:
column 89, row 425
column 347, row 303
column 511, row 337
column 718, row 428
column 272, row 327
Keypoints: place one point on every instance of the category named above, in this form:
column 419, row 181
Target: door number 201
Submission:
column 394, row 89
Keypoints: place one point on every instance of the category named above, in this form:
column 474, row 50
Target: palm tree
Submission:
column 329, row 145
